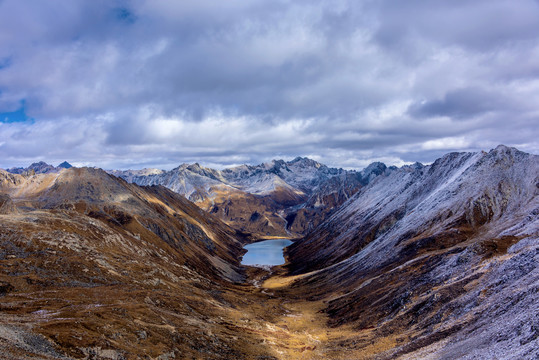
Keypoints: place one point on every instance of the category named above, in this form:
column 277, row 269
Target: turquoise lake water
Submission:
column 268, row 252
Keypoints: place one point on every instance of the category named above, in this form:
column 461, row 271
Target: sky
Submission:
column 124, row 84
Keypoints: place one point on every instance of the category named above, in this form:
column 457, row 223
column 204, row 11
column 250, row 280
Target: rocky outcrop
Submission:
column 9, row 180
column 6, row 205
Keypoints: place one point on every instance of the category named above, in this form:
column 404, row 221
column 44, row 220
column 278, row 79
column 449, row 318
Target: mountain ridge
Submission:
column 40, row 167
column 452, row 240
column 277, row 198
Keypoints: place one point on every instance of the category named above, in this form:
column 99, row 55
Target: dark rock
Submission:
column 5, row 288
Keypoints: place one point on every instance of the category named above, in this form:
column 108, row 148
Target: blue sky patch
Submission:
column 5, row 62
column 124, row 15
column 15, row 116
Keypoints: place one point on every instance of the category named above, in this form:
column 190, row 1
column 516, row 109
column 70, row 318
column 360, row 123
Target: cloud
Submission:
column 126, row 83
column 481, row 25
column 446, row 143
column 462, row 104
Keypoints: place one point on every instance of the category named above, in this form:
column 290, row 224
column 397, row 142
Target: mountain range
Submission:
column 436, row 261
column 39, row 168
column 273, row 199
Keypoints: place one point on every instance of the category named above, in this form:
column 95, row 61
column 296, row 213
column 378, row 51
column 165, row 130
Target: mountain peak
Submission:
column 40, row 167
column 503, row 149
column 297, row 159
column 375, row 165
column 415, row 166
column 39, row 163
column 65, row 165
column 305, row 162
column 194, row 167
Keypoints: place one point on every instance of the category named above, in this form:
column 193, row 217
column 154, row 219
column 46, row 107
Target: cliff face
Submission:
column 425, row 256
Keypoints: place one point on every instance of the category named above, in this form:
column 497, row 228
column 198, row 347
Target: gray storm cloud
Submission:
column 123, row 84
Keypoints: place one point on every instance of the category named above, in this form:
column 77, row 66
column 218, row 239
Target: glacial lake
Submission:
column 267, row 252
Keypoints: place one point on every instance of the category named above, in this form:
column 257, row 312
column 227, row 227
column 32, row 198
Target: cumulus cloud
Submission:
column 137, row 83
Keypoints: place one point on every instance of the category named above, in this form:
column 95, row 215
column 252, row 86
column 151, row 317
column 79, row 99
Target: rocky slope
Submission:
column 273, row 199
column 438, row 261
column 94, row 267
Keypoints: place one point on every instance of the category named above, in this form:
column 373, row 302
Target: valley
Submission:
column 435, row 261
column 269, row 180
